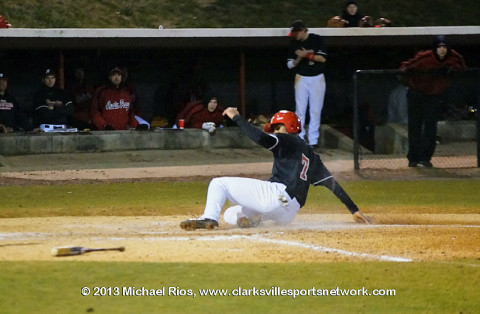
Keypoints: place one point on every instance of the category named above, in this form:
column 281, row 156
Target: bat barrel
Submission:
column 77, row 250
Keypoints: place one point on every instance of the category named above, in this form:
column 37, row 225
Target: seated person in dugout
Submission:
column 50, row 104
column 12, row 117
column 112, row 105
column 204, row 114
column 81, row 92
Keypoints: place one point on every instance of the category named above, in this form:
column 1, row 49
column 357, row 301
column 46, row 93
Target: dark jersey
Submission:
column 306, row 67
column 42, row 114
column 11, row 114
column 295, row 163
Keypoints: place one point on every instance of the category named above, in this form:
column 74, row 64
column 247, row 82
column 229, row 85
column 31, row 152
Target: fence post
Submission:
column 356, row 136
column 478, row 120
column 478, row 136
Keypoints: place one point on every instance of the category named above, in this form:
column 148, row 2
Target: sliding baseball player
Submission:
column 296, row 166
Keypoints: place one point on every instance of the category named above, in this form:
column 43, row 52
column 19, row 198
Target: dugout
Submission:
column 246, row 66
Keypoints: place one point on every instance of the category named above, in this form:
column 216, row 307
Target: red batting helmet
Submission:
column 288, row 119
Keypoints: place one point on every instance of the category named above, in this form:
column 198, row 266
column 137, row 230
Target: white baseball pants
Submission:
column 251, row 197
column 310, row 89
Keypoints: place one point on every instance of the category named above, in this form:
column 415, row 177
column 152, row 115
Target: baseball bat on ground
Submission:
column 77, row 250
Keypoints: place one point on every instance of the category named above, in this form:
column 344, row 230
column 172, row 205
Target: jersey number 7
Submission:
column 306, row 164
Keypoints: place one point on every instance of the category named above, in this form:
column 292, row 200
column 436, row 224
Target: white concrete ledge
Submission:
column 230, row 32
column 225, row 37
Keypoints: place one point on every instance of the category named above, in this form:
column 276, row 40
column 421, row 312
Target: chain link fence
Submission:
column 380, row 126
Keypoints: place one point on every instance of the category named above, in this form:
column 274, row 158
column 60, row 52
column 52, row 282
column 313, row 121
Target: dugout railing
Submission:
column 380, row 120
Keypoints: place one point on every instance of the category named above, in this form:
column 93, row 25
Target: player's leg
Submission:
column 430, row 130
column 301, row 101
column 415, row 125
column 234, row 214
column 316, row 95
column 283, row 213
column 254, row 196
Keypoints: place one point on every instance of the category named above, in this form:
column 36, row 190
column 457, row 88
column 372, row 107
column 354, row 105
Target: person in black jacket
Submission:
column 50, row 104
column 354, row 18
column 12, row 117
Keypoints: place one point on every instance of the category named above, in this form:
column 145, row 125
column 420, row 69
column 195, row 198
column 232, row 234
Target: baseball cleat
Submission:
column 203, row 223
column 245, row 222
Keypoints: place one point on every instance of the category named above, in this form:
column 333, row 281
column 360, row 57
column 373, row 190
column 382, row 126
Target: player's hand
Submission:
column 302, row 52
column 359, row 217
column 230, row 112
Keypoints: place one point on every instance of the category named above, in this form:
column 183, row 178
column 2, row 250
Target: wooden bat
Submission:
column 77, row 250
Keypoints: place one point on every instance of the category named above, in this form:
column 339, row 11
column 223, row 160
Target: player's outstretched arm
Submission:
column 254, row 133
column 340, row 193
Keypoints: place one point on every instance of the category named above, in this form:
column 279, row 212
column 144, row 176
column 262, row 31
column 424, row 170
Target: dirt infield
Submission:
column 310, row 238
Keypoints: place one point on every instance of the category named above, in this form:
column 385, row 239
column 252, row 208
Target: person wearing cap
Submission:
column 203, row 114
column 428, row 78
column 50, row 104
column 12, row 117
column 307, row 57
column 112, row 107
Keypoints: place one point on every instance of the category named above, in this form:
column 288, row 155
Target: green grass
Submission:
column 226, row 13
column 187, row 198
column 54, row 287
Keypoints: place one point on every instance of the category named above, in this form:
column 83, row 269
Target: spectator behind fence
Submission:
column 428, row 77
column 351, row 17
column 112, row 105
column 50, row 104
column 204, row 114
column 12, row 117
column 81, row 93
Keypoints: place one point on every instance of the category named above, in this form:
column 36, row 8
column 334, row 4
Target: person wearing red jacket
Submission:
column 112, row 105
column 428, row 78
column 205, row 114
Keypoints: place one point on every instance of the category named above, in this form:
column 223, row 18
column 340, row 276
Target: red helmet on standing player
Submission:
column 288, row 119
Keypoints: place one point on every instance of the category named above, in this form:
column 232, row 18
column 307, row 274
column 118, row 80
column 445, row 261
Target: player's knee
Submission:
column 232, row 214
column 217, row 183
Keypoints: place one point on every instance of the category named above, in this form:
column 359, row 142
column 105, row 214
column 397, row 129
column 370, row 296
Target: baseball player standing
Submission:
column 295, row 167
column 307, row 57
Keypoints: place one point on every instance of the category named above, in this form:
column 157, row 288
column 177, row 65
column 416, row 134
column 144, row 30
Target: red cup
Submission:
column 181, row 124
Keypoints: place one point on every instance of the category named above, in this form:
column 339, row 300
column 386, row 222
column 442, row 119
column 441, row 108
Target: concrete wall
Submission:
column 108, row 141
column 392, row 138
